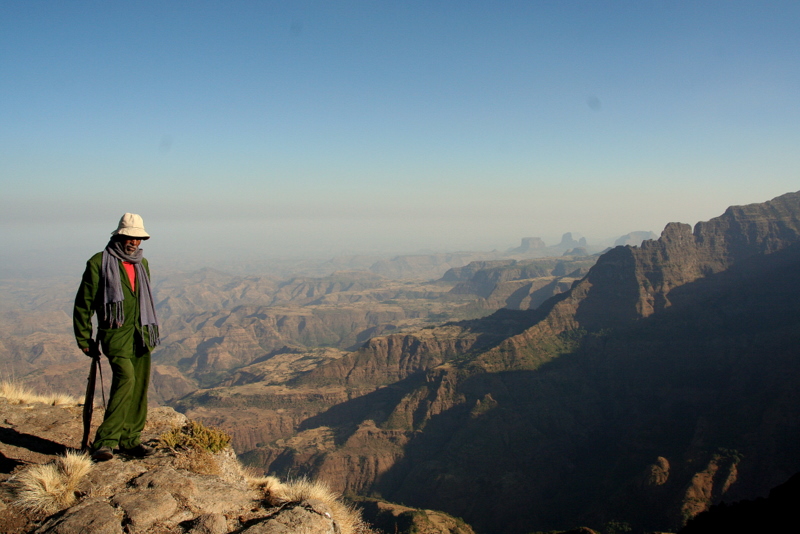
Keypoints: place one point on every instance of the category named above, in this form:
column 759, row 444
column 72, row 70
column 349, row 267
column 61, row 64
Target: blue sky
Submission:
column 316, row 128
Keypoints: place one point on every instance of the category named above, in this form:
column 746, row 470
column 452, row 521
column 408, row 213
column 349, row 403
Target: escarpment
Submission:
column 676, row 350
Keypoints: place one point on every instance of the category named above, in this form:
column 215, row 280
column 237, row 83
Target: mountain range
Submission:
column 631, row 389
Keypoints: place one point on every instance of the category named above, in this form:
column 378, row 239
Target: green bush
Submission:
column 196, row 436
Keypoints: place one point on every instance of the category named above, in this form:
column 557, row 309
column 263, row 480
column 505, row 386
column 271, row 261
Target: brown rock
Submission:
column 105, row 477
column 166, row 479
column 215, row 495
column 92, row 515
column 657, row 474
column 708, row 486
column 209, row 524
column 308, row 516
column 397, row 518
column 146, row 507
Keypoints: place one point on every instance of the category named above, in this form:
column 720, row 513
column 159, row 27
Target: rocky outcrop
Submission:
column 708, row 486
column 180, row 491
column 396, row 518
column 656, row 474
column 153, row 496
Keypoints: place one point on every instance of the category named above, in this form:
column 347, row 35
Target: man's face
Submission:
column 130, row 244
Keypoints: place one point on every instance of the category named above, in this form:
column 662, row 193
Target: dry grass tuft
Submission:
column 48, row 488
column 271, row 486
column 276, row 493
column 17, row 394
column 61, row 399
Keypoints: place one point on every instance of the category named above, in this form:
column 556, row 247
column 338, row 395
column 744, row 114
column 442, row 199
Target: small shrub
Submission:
column 196, row 436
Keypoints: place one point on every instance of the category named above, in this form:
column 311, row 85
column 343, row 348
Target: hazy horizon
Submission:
column 314, row 129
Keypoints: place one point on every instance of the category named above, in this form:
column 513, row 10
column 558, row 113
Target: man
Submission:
column 116, row 286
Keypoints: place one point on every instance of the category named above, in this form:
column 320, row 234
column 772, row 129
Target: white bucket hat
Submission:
column 131, row 225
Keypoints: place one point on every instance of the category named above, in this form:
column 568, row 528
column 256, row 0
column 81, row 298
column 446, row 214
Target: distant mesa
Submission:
column 528, row 244
column 574, row 244
column 568, row 241
column 536, row 248
column 634, row 238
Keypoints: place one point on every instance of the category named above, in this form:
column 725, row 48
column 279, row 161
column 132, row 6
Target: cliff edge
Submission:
column 48, row 487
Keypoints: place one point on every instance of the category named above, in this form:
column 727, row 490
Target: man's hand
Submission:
column 93, row 350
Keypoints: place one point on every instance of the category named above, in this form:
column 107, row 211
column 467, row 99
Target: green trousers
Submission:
column 126, row 413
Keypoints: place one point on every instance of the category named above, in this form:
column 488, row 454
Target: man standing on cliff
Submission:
column 116, row 286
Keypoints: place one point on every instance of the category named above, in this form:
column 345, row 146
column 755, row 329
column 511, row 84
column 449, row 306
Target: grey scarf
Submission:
column 113, row 311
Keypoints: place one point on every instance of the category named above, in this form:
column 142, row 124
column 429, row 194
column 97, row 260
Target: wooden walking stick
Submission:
column 88, row 401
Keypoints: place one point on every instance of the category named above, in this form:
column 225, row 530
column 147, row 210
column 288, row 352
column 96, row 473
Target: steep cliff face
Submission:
column 630, row 282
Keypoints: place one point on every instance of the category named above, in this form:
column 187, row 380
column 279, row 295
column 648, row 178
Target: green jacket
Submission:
column 128, row 340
